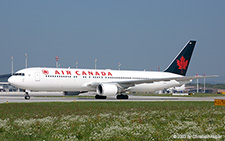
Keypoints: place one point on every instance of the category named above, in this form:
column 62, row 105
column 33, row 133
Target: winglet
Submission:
column 181, row 62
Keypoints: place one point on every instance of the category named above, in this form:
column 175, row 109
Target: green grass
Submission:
column 111, row 120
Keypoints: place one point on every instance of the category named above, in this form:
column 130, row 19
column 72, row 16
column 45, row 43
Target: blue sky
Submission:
column 138, row 34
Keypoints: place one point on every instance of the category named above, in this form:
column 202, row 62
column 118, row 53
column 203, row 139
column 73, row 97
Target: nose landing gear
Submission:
column 27, row 97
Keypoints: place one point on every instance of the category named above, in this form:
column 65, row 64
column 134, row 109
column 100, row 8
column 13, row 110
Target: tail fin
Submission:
column 180, row 63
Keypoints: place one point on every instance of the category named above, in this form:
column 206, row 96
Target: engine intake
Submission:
column 107, row 89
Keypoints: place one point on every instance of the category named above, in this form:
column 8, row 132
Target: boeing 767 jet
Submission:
column 106, row 82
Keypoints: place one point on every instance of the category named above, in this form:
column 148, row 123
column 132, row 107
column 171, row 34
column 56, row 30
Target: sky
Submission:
column 141, row 35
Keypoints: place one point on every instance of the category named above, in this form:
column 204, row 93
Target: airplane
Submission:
column 177, row 89
column 106, row 82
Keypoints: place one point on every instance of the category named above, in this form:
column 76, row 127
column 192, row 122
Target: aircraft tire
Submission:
column 121, row 96
column 27, row 97
column 100, row 97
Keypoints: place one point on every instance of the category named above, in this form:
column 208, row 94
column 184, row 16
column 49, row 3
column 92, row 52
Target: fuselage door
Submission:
column 37, row 76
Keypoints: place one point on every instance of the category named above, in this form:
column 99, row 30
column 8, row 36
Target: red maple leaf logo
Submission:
column 182, row 63
column 45, row 72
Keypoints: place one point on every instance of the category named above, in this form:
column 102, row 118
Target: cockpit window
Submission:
column 19, row 74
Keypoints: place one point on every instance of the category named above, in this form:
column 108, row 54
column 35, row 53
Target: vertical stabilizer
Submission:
column 181, row 62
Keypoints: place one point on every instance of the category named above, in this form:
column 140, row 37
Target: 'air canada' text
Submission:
column 78, row 72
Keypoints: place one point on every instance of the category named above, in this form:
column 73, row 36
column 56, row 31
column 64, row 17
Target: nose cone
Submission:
column 11, row 80
column 16, row 81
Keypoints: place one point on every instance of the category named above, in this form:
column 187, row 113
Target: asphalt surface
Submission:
column 18, row 97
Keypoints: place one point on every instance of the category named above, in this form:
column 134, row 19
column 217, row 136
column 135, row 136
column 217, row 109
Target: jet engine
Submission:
column 107, row 89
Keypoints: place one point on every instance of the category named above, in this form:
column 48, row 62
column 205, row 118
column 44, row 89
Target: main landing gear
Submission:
column 121, row 96
column 100, row 97
column 27, row 97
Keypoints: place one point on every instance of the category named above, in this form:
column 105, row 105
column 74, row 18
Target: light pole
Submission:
column 26, row 60
column 119, row 65
column 12, row 63
column 204, row 83
column 96, row 63
column 197, row 84
column 57, row 61
column 76, row 64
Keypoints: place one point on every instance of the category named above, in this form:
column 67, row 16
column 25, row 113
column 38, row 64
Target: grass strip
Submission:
column 111, row 121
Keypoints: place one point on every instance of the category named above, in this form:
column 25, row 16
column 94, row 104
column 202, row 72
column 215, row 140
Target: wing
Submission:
column 130, row 83
column 134, row 82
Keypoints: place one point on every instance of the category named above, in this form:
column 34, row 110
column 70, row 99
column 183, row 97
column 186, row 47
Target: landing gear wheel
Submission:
column 27, row 97
column 100, row 97
column 121, row 96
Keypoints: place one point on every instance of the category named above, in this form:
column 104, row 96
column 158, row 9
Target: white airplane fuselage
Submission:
column 61, row 79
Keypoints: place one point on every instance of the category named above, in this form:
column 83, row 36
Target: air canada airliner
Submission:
column 106, row 82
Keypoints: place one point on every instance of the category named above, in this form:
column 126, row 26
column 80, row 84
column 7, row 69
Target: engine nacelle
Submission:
column 107, row 89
